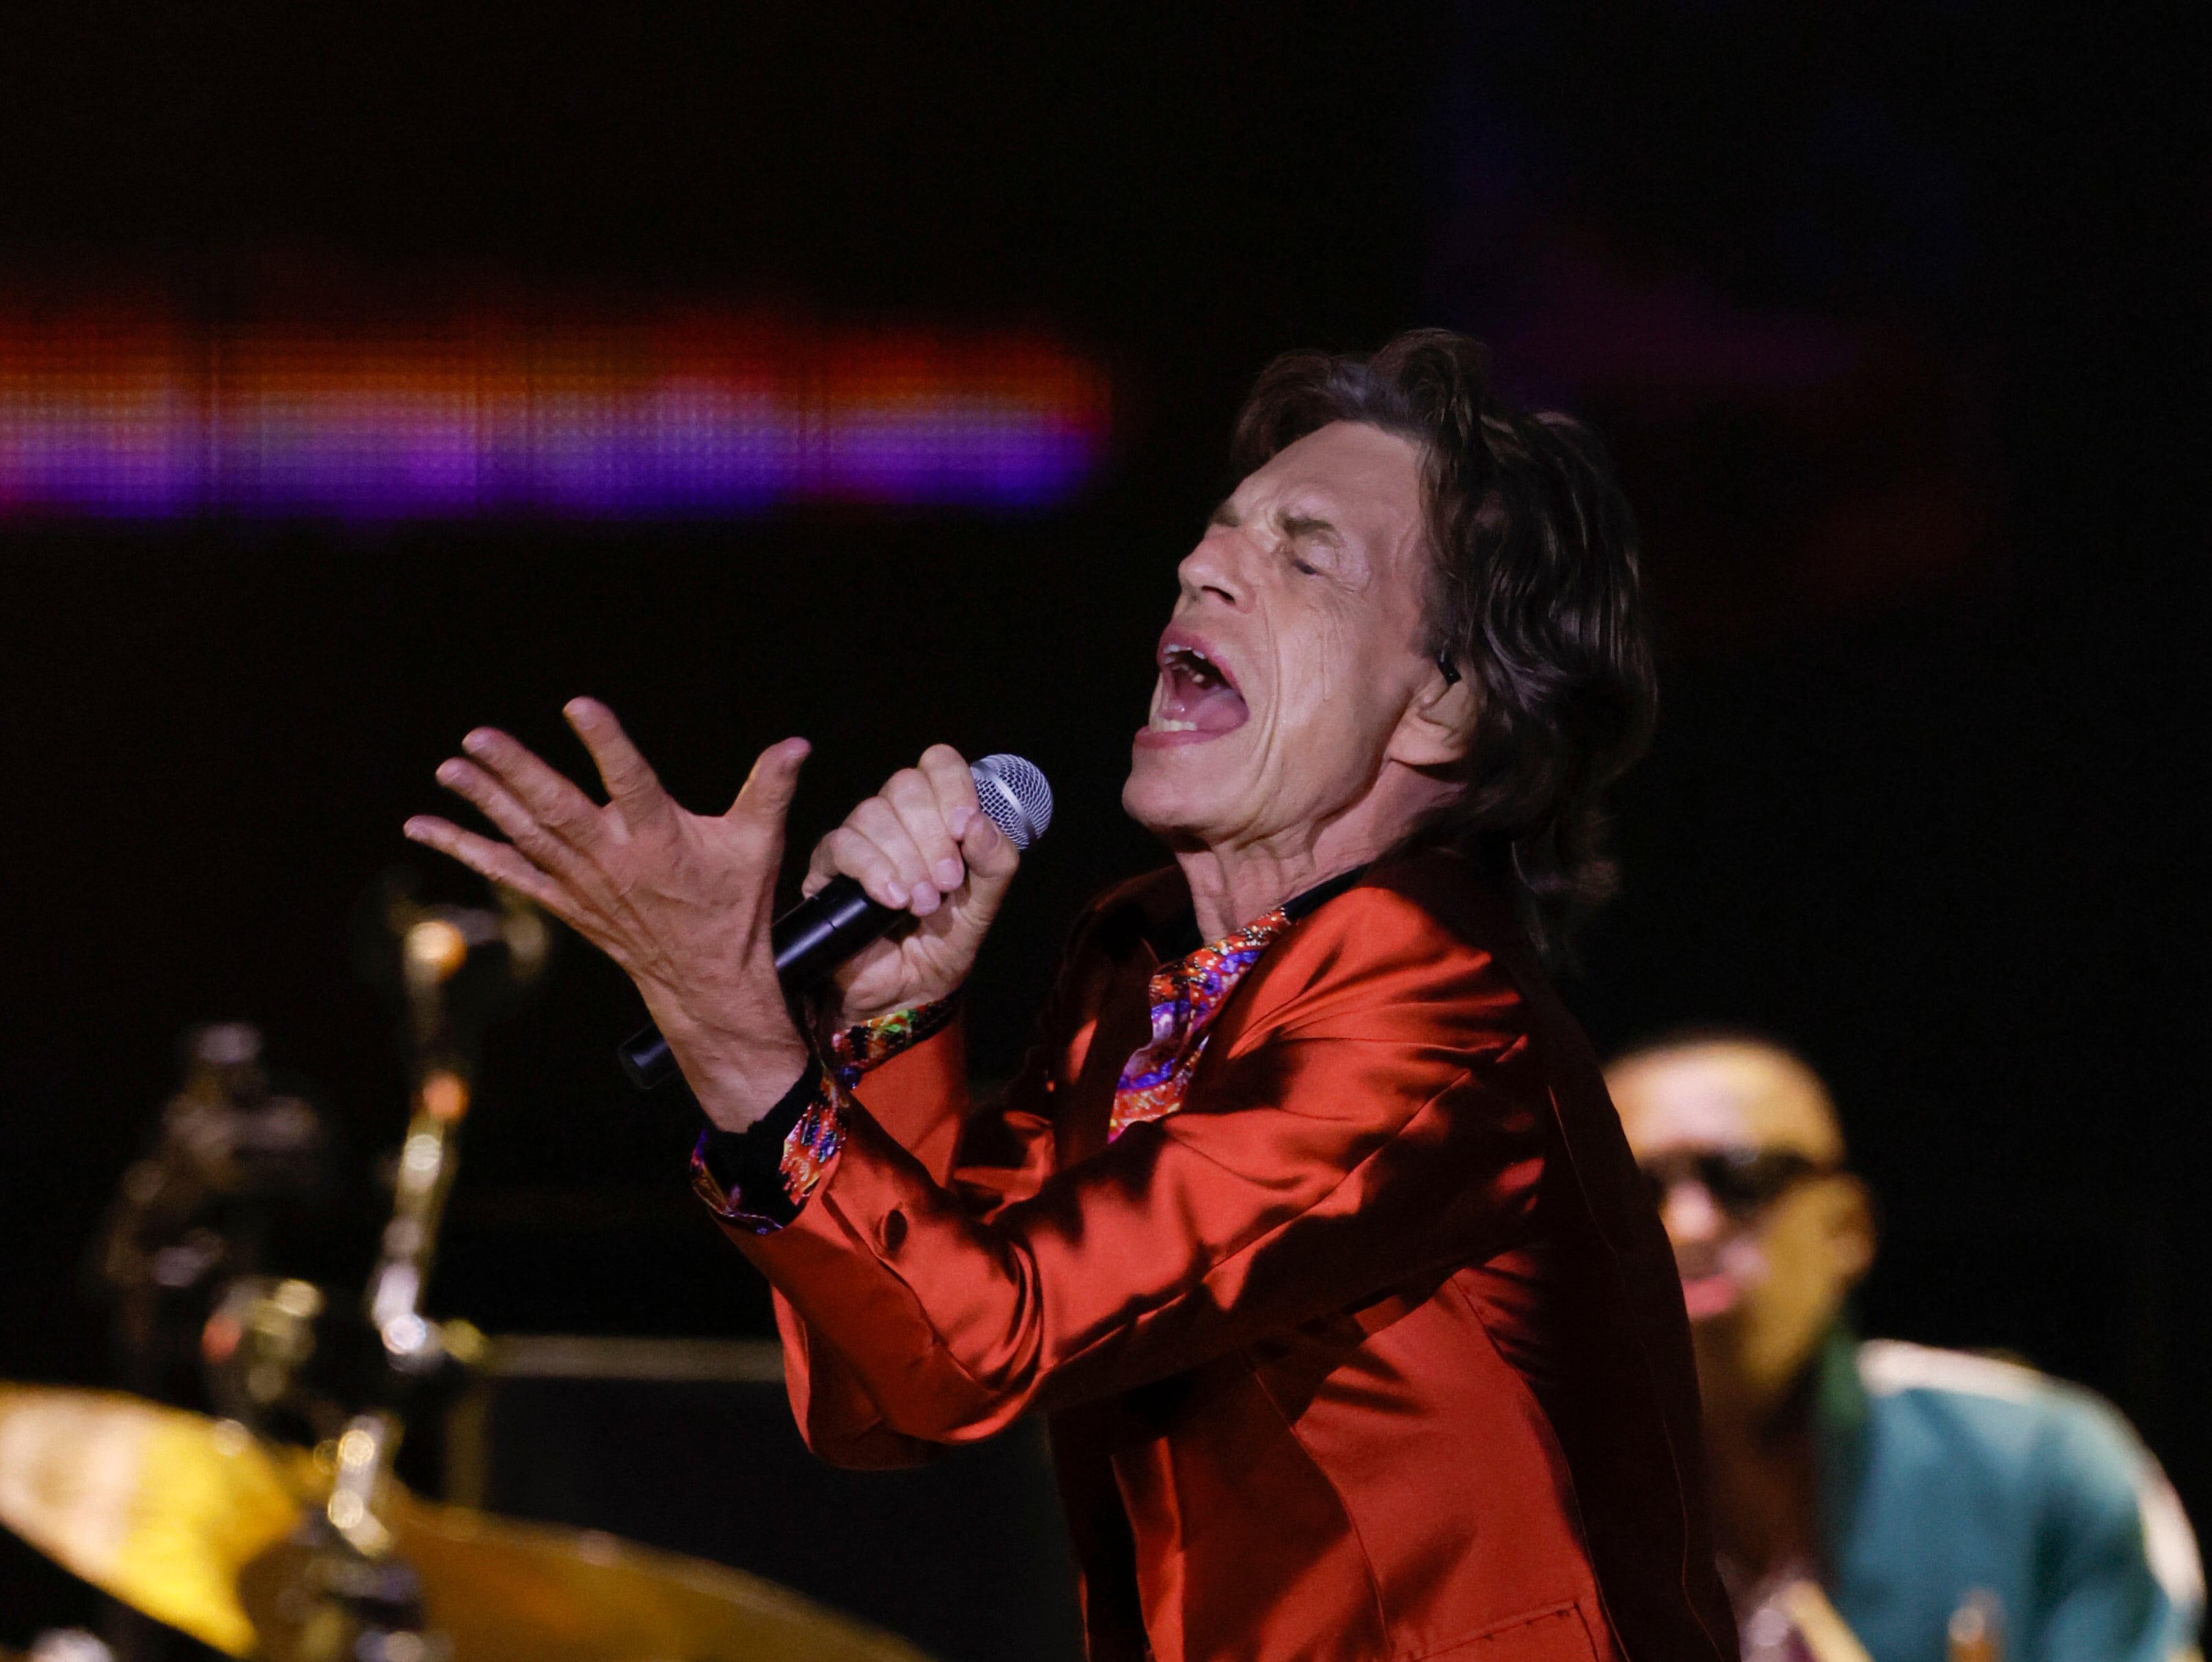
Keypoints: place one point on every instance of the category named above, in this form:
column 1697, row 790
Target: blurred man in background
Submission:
column 1922, row 1505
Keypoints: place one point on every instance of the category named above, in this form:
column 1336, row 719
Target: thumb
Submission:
column 991, row 859
column 766, row 795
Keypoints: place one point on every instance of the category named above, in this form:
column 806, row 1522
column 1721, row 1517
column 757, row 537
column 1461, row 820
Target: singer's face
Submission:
column 1295, row 651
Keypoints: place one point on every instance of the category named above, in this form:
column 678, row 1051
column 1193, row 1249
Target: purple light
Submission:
column 117, row 414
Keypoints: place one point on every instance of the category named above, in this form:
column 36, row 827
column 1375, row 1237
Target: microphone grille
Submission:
column 1012, row 789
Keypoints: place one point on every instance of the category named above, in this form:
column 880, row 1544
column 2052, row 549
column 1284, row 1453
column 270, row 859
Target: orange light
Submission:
column 219, row 1338
column 445, row 1096
column 435, row 949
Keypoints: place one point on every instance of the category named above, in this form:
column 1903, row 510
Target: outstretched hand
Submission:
column 681, row 901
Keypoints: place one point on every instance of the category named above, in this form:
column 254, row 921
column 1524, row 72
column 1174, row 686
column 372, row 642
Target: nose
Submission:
column 1689, row 1215
column 1217, row 568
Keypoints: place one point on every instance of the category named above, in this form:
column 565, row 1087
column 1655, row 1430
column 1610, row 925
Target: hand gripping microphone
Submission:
column 820, row 933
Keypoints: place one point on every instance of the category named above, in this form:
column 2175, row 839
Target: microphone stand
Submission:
column 370, row 1600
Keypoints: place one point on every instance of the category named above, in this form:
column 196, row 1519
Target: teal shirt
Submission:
column 1946, row 1476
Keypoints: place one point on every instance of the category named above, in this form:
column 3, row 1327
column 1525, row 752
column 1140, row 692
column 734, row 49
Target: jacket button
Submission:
column 892, row 1232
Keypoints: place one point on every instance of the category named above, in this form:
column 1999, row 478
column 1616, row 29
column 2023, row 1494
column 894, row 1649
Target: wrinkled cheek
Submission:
column 1333, row 652
column 1360, row 680
column 1310, row 680
column 1312, row 760
column 1316, row 740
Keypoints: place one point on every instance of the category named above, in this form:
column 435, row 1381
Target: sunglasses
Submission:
column 1742, row 1181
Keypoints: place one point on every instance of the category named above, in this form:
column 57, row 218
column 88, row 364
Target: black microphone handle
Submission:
column 810, row 940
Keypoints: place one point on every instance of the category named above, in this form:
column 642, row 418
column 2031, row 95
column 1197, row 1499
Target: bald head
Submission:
column 1724, row 1092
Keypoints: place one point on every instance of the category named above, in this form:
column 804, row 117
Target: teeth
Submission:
column 1196, row 665
column 1164, row 725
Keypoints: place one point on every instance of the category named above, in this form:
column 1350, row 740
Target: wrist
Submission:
column 757, row 1179
column 739, row 1081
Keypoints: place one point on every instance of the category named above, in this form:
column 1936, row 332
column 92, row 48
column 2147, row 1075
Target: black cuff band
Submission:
column 748, row 1163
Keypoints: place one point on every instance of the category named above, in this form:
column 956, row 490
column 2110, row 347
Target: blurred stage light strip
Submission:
column 116, row 414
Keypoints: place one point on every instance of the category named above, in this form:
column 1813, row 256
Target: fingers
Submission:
column 765, row 797
column 499, row 804
column 903, row 845
column 924, row 815
column 992, row 859
column 908, row 852
column 851, row 853
column 551, row 799
column 632, row 785
column 497, row 861
column 983, row 847
column 948, row 774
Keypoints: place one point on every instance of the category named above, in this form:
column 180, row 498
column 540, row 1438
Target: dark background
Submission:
column 1892, row 314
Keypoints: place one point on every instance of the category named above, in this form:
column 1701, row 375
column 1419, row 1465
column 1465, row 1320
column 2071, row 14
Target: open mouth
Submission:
column 1706, row 1296
column 1716, row 1277
column 1196, row 697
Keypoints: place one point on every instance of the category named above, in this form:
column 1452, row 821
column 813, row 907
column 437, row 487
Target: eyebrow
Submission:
column 1299, row 526
column 1296, row 526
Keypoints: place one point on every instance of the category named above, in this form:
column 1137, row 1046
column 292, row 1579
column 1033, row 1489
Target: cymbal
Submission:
column 501, row 1589
column 156, row 1506
column 192, row 1521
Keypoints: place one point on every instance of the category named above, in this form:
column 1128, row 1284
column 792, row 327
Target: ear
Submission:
column 1437, row 727
column 1852, row 1231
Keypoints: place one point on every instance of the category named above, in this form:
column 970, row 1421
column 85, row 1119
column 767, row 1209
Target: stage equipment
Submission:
column 235, row 1171
column 648, row 1438
column 259, row 1549
column 157, row 1507
column 361, row 1596
column 62, row 1645
column 201, row 1525
column 820, row 933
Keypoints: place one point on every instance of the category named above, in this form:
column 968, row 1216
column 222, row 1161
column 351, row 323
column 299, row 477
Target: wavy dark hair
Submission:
column 1537, row 602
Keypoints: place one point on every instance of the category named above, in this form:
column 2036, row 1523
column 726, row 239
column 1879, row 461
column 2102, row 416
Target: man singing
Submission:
column 1307, row 1222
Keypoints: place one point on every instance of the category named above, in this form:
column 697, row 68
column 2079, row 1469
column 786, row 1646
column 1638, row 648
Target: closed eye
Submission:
column 1305, row 533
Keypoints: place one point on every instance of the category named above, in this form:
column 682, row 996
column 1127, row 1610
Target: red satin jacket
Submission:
column 1375, row 1349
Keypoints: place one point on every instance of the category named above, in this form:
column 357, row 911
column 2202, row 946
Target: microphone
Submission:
column 821, row 932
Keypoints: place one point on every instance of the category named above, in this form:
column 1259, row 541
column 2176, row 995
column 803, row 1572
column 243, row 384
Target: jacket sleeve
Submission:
column 2122, row 1581
column 1377, row 1116
column 979, row 1161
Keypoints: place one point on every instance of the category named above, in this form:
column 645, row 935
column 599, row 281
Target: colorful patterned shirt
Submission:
column 1187, row 994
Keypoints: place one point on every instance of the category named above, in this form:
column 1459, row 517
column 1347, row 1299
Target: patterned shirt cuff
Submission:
column 758, row 1178
column 854, row 1051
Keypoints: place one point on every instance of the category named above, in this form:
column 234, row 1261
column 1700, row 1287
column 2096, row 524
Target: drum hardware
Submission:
column 260, row 1549
column 61, row 1645
column 232, row 1164
column 207, row 1528
column 365, row 1599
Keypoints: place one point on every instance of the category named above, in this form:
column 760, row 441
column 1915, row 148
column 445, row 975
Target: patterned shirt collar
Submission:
column 1187, row 994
